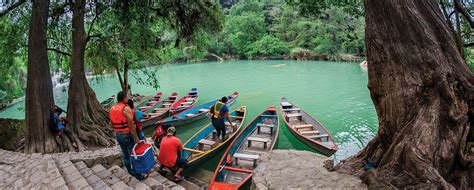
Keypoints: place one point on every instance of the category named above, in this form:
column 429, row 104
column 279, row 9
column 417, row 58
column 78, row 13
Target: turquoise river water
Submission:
column 334, row 93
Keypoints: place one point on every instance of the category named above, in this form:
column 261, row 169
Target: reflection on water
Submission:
column 334, row 93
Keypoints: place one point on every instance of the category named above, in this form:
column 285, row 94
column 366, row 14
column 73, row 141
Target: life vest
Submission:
column 119, row 121
column 217, row 109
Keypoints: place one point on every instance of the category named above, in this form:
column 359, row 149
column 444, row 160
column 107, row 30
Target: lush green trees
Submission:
column 255, row 30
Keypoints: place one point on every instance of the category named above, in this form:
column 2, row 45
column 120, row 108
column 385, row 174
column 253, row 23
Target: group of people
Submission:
column 129, row 131
column 126, row 124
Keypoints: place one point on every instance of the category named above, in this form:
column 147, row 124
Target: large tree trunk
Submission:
column 88, row 123
column 39, row 90
column 423, row 94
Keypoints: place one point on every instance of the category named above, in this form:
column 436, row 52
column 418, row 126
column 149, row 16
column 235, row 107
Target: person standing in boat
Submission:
column 170, row 154
column 219, row 112
column 121, row 116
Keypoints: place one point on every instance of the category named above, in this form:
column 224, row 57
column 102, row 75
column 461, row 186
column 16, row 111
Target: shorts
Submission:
column 181, row 163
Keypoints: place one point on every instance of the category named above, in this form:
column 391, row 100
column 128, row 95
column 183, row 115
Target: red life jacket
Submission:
column 119, row 121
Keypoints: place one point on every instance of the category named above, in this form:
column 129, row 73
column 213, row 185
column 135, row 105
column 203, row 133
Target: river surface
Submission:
column 334, row 93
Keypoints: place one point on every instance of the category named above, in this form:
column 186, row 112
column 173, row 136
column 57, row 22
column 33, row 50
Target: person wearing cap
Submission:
column 170, row 154
column 220, row 112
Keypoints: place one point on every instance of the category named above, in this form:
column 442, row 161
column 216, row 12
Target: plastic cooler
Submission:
column 142, row 157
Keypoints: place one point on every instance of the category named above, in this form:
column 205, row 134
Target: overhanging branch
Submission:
column 469, row 44
column 59, row 51
column 10, row 8
column 460, row 8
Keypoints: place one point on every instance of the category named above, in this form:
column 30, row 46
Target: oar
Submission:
column 193, row 150
column 236, row 117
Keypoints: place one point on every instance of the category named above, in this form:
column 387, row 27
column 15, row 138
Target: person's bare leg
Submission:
column 178, row 173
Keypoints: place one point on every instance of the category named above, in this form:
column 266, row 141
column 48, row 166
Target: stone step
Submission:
column 72, row 176
column 94, row 181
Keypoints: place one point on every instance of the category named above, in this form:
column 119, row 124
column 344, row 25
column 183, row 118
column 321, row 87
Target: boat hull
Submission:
column 312, row 144
column 195, row 110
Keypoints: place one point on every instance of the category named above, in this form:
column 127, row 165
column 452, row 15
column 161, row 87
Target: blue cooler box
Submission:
column 142, row 158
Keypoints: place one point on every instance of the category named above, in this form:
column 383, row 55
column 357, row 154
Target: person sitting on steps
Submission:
column 170, row 154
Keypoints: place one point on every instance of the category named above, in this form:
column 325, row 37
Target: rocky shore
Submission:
column 292, row 169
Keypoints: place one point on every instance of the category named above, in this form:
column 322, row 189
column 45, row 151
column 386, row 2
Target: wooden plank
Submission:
column 258, row 139
column 189, row 115
column 293, row 115
column 206, row 142
column 286, row 104
column 292, row 109
column 263, row 115
column 318, row 136
column 309, row 132
column 246, row 156
column 265, row 125
column 236, row 117
column 302, row 126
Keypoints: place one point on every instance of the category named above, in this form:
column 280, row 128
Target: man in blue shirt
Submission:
column 220, row 112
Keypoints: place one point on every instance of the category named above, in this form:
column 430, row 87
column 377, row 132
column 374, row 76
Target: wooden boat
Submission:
column 150, row 103
column 307, row 129
column 106, row 104
column 160, row 111
column 240, row 159
column 186, row 102
column 194, row 114
column 203, row 146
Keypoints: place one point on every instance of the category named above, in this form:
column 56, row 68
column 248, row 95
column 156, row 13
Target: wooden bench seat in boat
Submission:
column 167, row 104
column 293, row 115
column 285, row 104
column 189, row 115
column 189, row 99
column 267, row 115
column 319, row 137
column 305, row 126
column 271, row 126
column 180, row 107
column 204, row 142
column 184, row 103
column 292, row 109
column 159, row 109
column 258, row 139
column 310, row 132
column 252, row 157
column 203, row 110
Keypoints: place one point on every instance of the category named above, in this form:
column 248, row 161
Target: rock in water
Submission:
column 290, row 169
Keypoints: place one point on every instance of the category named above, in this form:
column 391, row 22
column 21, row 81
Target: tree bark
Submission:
column 88, row 123
column 423, row 94
column 39, row 88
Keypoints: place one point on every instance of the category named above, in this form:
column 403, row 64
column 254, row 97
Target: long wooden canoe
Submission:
column 203, row 145
column 195, row 113
column 106, row 104
column 150, row 103
column 160, row 110
column 186, row 102
column 240, row 159
column 307, row 129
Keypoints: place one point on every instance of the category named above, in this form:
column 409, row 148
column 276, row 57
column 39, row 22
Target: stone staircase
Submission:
column 68, row 171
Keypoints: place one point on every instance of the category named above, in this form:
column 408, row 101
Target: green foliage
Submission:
column 253, row 27
column 12, row 56
column 268, row 45
column 243, row 30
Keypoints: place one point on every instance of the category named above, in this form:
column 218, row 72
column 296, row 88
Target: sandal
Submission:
column 178, row 179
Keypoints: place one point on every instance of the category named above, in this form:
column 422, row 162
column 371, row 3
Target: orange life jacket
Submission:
column 119, row 121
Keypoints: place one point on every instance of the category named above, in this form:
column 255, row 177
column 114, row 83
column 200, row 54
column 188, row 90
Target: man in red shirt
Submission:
column 170, row 153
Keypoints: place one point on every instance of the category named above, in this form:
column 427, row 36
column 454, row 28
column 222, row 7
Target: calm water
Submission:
column 334, row 93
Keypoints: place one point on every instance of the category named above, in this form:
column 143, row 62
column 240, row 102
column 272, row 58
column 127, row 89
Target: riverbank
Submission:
column 292, row 169
column 297, row 54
